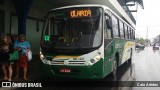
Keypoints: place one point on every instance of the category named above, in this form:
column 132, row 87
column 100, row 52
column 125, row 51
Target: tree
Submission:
column 147, row 41
column 142, row 41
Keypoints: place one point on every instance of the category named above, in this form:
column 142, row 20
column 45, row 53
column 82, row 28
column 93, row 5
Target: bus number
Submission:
column 78, row 58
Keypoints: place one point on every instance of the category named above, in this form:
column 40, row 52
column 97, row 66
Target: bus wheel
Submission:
column 115, row 70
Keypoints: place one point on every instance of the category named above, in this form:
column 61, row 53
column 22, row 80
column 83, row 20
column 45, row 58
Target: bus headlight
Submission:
column 98, row 57
column 44, row 60
column 42, row 56
column 95, row 59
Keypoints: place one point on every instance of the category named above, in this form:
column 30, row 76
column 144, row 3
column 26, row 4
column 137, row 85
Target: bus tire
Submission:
column 115, row 66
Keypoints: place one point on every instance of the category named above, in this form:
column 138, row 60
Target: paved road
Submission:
column 145, row 67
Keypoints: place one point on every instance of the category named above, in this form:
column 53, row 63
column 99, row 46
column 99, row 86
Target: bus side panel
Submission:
column 117, row 46
column 108, row 58
column 128, row 45
column 118, row 49
column 123, row 48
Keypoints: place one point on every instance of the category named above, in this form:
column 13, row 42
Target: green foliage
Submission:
column 142, row 41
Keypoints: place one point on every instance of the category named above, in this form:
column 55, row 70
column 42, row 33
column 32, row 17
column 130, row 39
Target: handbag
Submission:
column 14, row 56
column 29, row 55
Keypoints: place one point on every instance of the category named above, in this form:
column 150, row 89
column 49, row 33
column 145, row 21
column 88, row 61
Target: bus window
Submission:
column 107, row 31
column 115, row 26
column 129, row 33
column 47, row 28
column 133, row 35
column 126, row 31
column 121, row 29
column 124, row 27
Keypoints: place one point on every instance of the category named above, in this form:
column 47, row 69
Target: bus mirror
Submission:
column 109, row 23
column 105, row 14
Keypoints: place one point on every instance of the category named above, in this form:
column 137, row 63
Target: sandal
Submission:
column 9, row 80
column 25, row 79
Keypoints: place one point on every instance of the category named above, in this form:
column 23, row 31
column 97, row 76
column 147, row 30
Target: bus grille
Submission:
column 57, row 62
column 76, row 62
column 72, row 63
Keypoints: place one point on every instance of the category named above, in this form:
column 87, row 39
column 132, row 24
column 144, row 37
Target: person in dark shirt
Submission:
column 6, row 48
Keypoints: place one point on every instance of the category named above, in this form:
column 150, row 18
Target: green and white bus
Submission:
column 85, row 42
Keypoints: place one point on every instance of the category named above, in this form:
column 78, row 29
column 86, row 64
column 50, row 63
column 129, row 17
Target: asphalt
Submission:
column 147, row 67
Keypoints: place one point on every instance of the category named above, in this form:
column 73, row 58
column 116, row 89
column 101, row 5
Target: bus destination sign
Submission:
column 80, row 13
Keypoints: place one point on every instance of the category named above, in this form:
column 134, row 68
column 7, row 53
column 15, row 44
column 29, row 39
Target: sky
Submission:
column 148, row 17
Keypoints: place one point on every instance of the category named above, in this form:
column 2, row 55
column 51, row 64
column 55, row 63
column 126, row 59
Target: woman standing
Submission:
column 6, row 48
column 23, row 47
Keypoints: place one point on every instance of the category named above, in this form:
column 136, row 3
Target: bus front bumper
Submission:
column 80, row 72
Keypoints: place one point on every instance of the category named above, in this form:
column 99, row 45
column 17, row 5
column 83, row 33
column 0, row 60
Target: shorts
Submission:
column 22, row 61
column 5, row 61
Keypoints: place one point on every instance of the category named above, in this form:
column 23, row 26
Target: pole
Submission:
column 147, row 36
column 147, row 33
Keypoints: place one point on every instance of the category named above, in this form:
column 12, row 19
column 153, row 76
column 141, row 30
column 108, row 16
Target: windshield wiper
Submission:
column 77, row 44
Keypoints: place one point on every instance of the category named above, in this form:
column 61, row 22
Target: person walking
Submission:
column 23, row 47
column 6, row 48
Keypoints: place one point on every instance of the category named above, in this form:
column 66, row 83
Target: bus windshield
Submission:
column 73, row 28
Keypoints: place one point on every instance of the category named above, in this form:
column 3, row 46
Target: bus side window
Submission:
column 133, row 35
column 108, row 27
column 129, row 33
column 115, row 27
column 121, row 29
column 126, row 33
column 109, row 23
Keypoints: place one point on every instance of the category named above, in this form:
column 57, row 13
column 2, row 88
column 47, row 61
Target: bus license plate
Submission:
column 65, row 70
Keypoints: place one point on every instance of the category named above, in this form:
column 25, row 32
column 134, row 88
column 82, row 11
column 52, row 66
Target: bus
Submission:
column 85, row 42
